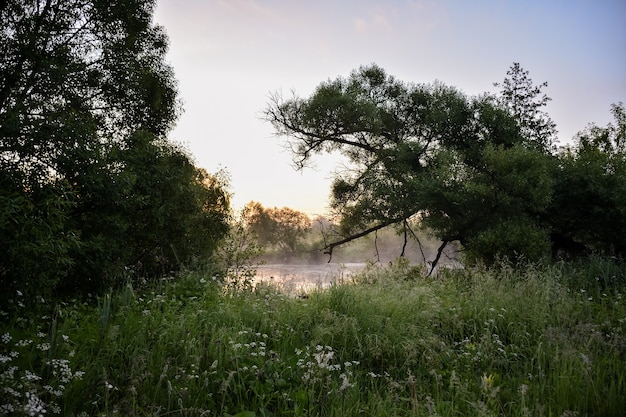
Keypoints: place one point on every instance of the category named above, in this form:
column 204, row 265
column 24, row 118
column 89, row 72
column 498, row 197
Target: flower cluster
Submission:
column 25, row 391
column 320, row 368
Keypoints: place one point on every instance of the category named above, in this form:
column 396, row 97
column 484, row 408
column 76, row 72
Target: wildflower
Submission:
column 523, row 389
column 29, row 376
column 345, row 384
column 6, row 338
column 34, row 406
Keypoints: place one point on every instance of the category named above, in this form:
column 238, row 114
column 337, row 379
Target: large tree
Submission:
column 88, row 177
column 467, row 167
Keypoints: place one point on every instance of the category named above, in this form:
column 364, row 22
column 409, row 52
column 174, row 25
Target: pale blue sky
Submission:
column 229, row 55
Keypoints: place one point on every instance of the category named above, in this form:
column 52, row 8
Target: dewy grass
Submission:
column 525, row 341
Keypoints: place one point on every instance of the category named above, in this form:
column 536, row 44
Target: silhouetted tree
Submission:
column 90, row 186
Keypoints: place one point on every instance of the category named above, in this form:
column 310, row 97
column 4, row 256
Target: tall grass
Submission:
column 524, row 341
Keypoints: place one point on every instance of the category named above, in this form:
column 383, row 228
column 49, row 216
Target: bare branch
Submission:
column 328, row 249
column 439, row 252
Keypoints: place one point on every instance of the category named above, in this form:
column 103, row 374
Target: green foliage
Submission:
column 36, row 242
column 474, row 341
column 593, row 174
column 469, row 167
column 238, row 253
column 92, row 192
column 283, row 229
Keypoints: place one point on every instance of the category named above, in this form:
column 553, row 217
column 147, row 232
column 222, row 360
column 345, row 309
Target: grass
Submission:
column 525, row 341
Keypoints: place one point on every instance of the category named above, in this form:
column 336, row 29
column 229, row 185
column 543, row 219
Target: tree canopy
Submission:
column 91, row 187
column 281, row 228
column 477, row 170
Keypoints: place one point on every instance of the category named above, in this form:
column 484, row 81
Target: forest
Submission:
column 129, row 280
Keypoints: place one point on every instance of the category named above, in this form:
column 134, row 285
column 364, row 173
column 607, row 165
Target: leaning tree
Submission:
column 465, row 168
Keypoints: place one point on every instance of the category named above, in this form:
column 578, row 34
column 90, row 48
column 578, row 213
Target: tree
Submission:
column 282, row 228
column 593, row 175
column 524, row 101
column 86, row 102
column 467, row 167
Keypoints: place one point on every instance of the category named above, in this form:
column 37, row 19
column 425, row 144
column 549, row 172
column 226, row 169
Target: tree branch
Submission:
column 439, row 252
column 328, row 249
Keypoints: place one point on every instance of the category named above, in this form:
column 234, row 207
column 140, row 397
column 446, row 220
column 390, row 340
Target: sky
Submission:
column 229, row 56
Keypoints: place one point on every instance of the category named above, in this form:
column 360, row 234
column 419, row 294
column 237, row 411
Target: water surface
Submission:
column 302, row 278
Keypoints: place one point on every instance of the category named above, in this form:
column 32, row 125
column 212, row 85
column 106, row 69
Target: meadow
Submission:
column 534, row 340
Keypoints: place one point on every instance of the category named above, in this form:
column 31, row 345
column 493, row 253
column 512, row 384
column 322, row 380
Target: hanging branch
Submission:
column 376, row 246
column 405, row 225
column 439, row 252
column 419, row 242
column 328, row 249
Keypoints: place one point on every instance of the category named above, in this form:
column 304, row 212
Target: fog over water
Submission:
column 302, row 278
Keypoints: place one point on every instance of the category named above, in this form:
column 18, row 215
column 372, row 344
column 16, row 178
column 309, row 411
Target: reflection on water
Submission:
column 296, row 279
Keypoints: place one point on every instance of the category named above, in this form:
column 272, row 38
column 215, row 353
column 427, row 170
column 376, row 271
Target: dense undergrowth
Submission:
column 524, row 341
